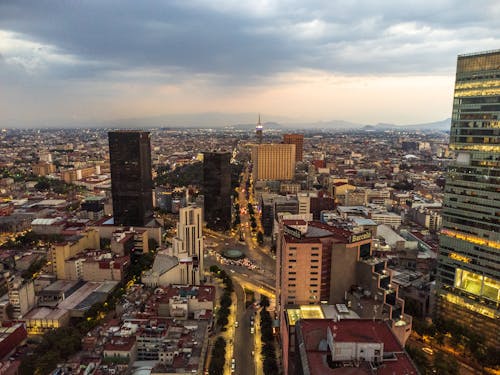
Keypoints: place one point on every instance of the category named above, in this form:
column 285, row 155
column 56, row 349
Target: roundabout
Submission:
column 233, row 254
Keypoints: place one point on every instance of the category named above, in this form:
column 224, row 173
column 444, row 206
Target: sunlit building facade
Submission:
column 469, row 259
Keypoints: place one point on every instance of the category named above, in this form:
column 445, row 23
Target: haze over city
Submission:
column 206, row 63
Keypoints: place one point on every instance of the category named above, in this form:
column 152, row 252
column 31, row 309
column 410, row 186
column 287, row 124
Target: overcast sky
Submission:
column 79, row 62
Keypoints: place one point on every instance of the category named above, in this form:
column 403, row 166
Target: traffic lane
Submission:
column 243, row 349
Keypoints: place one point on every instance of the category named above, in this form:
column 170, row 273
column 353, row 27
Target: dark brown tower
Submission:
column 131, row 180
column 298, row 141
column 217, row 189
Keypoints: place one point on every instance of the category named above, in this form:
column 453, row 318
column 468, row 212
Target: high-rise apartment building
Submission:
column 131, row 179
column 298, row 141
column 273, row 161
column 188, row 244
column 217, row 189
column 469, row 257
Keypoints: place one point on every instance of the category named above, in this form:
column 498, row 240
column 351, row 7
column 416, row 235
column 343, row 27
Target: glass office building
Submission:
column 469, row 260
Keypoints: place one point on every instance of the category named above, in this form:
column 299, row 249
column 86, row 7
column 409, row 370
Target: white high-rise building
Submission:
column 188, row 244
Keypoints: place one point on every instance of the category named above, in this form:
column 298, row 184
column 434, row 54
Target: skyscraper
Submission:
column 298, row 141
column 469, row 257
column 131, row 180
column 258, row 132
column 217, row 189
column 273, row 161
column 188, row 244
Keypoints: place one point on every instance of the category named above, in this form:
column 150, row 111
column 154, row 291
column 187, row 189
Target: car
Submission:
column 232, row 361
column 236, row 326
column 252, row 330
column 428, row 350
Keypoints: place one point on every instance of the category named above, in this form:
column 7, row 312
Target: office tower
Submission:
column 298, row 141
column 273, row 161
column 469, row 259
column 131, row 181
column 188, row 244
column 258, row 131
column 217, row 189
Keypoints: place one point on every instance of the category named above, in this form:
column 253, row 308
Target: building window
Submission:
column 314, row 254
column 292, row 261
column 314, row 266
column 292, row 273
column 291, row 279
column 314, row 260
column 313, row 273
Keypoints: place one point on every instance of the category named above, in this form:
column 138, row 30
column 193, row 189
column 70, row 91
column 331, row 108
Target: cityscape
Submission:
column 205, row 235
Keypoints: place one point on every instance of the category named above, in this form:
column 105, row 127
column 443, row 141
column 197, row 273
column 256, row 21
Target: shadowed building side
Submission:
column 131, row 179
column 217, row 189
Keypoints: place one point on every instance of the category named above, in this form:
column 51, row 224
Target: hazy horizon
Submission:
column 68, row 64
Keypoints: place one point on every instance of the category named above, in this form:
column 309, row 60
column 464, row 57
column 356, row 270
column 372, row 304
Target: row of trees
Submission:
column 219, row 351
column 218, row 357
column 459, row 336
column 270, row 365
column 440, row 364
column 225, row 299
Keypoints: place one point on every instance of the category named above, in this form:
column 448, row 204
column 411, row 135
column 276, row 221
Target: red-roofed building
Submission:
column 121, row 348
column 350, row 346
column 11, row 337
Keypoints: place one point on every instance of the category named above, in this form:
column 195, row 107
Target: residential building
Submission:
column 188, row 244
column 21, row 295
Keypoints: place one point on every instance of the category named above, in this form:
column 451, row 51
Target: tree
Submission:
column 260, row 237
column 152, row 244
column 264, row 301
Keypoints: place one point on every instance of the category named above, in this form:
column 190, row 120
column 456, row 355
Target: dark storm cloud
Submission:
column 239, row 42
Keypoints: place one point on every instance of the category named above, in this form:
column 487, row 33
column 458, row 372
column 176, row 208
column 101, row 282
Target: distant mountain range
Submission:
column 240, row 121
column 443, row 125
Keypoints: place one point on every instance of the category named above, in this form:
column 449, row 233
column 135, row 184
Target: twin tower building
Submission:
column 132, row 184
column 132, row 193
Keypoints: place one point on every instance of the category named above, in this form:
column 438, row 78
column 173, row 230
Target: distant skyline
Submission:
column 84, row 63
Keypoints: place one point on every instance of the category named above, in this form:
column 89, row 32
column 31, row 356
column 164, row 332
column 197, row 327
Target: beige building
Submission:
column 61, row 252
column 96, row 266
column 43, row 169
column 273, row 161
column 43, row 319
column 21, row 296
column 72, row 175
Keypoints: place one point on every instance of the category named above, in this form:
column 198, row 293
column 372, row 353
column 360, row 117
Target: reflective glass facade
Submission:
column 469, row 259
